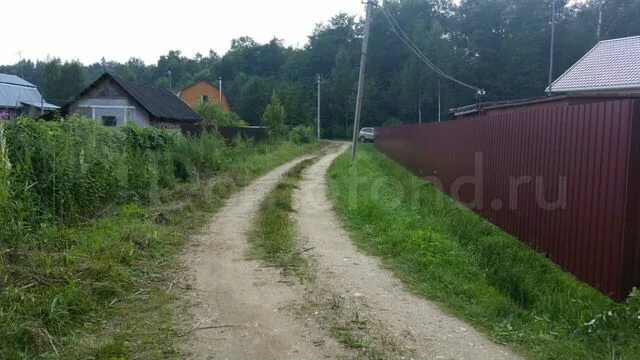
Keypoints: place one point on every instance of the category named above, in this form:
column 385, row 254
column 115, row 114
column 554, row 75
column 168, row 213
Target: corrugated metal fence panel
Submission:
column 556, row 177
column 630, row 268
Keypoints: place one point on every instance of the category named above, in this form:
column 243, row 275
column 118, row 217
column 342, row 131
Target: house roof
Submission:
column 610, row 65
column 15, row 92
column 14, row 80
column 162, row 104
column 197, row 82
column 44, row 105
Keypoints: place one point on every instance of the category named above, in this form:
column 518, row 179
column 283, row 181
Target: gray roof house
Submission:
column 20, row 97
column 112, row 101
column 610, row 66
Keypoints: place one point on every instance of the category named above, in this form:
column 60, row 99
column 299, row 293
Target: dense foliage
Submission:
column 499, row 45
column 81, row 230
column 67, row 172
column 214, row 116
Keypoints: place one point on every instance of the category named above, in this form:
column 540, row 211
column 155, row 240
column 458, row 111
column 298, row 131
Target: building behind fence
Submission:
column 562, row 175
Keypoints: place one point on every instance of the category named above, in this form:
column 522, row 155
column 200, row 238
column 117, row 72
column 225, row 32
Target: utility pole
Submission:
column 363, row 64
column 319, row 81
column 553, row 35
column 220, row 88
column 599, row 29
column 21, row 65
column 170, row 81
column 420, row 107
column 439, row 101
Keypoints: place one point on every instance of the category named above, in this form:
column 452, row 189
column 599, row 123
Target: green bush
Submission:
column 199, row 156
column 143, row 139
column 274, row 118
column 301, row 134
column 214, row 116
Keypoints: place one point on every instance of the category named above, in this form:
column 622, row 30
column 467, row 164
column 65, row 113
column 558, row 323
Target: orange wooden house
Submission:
column 202, row 92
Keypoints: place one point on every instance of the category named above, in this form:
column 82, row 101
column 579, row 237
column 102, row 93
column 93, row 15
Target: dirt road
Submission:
column 239, row 303
column 248, row 310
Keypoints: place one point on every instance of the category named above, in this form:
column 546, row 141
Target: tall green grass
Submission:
column 446, row 253
column 89, row 230
column 67, row 172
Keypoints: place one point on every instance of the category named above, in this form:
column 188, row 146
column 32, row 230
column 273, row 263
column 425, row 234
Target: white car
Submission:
column 367, row 134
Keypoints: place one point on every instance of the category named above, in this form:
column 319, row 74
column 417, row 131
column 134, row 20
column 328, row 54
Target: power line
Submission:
column 397, row 29
column 319, row 79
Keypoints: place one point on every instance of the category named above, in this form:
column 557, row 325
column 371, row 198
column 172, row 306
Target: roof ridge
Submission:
column 199, row 81
column 590, row 72
column 14, row 84
column 618, row 39
column 125, row 82
column 16, row 80
column 550, row 88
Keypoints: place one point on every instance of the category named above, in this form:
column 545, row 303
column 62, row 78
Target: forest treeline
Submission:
column 501, row 46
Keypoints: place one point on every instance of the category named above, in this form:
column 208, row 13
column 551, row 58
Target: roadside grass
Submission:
column 446, row 253
column 99, row 289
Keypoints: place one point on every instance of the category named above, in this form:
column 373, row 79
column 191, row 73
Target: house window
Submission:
column 109, row 121
column 204, row 99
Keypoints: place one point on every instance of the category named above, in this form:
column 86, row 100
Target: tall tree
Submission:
column 50, row 82
column 341, row 97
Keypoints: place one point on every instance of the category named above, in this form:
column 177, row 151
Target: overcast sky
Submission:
column 120, row 29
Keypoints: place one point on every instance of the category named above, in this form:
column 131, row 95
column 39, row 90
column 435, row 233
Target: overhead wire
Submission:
column 397, row 29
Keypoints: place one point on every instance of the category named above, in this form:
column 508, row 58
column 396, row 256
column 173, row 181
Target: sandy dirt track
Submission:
column 238, row 312
column 246, row 309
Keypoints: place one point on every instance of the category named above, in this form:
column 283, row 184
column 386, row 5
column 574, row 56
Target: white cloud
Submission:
column 119, row 29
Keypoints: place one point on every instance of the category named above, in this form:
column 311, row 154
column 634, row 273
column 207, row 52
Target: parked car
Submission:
column 367, row 134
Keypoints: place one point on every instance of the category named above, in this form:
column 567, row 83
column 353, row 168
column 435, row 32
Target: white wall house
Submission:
column 113, row 102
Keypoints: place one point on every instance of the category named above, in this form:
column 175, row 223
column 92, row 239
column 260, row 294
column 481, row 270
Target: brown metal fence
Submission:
column 561, row 176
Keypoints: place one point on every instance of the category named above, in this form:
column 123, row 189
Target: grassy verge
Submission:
column 274, row 238
column 446, row 253
column 99, row 289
